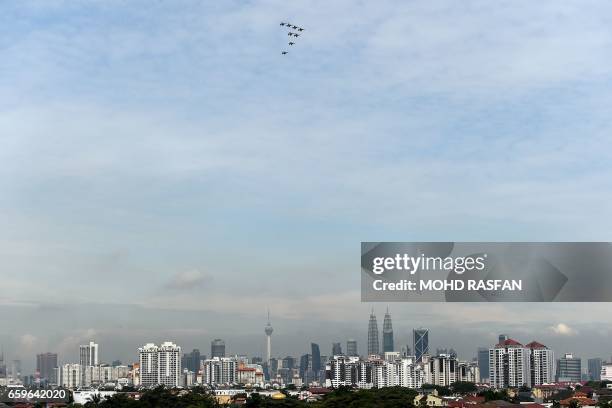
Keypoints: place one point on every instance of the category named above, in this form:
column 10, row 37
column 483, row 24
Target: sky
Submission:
column 167, row 174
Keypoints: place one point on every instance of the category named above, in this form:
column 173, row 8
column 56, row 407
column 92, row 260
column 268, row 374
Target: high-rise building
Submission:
column 169, row 365
column 606, row 372
column 387, row 333
column 509, row 365
column 441, row 370
column 46, row 363
column 69, row 375
column 373, row 344
column 483, row 363
column 220, row 370
column 268, row 330
column 2, row 365
column 336, row 349
column 594, row 366
column 288, row 362
column 88, row 354
column 217, row 348
column 502, row 338
column 160, row 365
column 191, row 361
column 305, row 365
column 569, row 368
column 148, row 364
column 373, row 373
column 16, row 370
column 542, row 362
column 513, row 365
column 420, row 343
column 316, row 357
column 351, row 348
column 469, row 372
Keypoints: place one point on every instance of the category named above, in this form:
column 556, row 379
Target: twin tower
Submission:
column 387, row 332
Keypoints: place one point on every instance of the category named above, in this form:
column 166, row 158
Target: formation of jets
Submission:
column 291, row 33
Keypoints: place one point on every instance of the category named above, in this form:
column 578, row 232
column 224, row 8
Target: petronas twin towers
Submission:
column 373, row 341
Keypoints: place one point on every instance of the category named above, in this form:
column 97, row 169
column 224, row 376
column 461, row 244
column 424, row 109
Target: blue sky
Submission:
column 160, row 156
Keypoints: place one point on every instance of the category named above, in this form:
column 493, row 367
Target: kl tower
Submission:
column 268, row 329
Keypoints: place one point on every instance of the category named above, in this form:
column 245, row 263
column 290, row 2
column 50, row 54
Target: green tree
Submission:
column 463, row 387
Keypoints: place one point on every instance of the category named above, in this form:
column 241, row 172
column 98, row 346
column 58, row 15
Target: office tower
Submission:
column 336, row 349
column 160, row 365
column 502, row 338
column 88, row 354
column 509, row 365
column 569, row 368
column 373, row 344
column 594, row 366
column 288, row 362
column 420, row 343
column 217, row 348
column 305, row 365
column 268, row 330
column 220, row 370
column 351, row 348
column 483, row 363
column 542, row 362
column 316, row 357
column 387, row 333
column 191, row 361
column 46, row 363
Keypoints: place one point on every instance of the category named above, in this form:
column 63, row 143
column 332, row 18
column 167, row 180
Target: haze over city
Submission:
column 166, row 174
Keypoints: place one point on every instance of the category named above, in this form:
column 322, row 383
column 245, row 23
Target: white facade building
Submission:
column 373, row 373
column 160, row 365
column 88, row 354
column 441, row 370
column 606, row 372
column 69, row 375
column 512, row 365
column 542, row 364
column 468, row 372
column 220, row 370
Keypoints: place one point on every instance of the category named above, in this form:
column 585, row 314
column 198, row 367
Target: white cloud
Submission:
column 563, row 329
column 28, row 340
column 188, row 280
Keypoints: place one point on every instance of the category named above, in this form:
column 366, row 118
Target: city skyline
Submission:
column 511, row 365
column 89, row 350
column 154, row 155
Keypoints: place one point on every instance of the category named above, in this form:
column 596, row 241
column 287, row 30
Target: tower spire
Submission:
column 268, row 330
